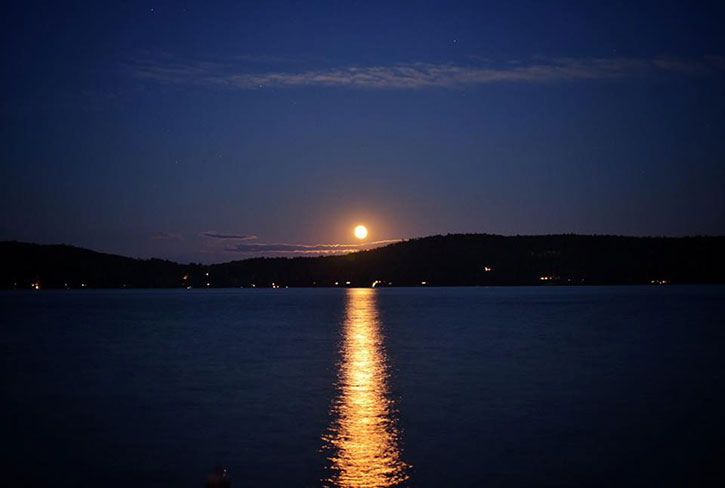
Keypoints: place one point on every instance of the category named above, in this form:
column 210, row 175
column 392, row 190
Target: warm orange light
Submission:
column 363, row 436
column 361, row 232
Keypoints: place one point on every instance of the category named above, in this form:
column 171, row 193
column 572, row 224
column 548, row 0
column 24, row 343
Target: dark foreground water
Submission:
column 509, row 387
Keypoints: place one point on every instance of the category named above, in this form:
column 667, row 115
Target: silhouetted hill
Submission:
column 461, row 259
column 58, row 266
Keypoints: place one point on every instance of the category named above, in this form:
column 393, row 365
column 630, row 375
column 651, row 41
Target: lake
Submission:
column 420, row 387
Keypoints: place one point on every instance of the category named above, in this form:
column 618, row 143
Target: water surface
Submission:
column 606, row 386
column 363, row 437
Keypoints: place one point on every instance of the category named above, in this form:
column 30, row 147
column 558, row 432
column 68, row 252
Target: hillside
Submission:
column 59, row 266
column 461, row 259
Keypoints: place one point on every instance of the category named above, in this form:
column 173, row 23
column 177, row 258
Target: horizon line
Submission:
column 389, row 242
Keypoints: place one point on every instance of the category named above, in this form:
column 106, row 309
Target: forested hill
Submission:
column 460, row 259
column 59, row 266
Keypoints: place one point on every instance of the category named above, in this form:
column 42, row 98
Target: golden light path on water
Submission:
column 363, row 436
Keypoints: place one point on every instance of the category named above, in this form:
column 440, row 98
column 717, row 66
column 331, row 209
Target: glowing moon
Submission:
column 361, row 232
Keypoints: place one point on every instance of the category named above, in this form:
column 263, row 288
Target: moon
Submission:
column 361, row 232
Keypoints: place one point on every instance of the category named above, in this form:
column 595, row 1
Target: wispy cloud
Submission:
column 286, row 248
column 238, row 237
column 421, row 75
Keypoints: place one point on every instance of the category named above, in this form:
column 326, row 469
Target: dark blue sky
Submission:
column 182, row 129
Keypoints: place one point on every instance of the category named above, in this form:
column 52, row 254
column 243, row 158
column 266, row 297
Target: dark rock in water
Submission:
column 219, row 479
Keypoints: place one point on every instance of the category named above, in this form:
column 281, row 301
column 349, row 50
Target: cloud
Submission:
column 286, row 248
column 239, row 237
column 421, row 75
column 166, row 236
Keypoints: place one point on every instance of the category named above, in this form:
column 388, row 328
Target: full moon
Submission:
column 361, row 232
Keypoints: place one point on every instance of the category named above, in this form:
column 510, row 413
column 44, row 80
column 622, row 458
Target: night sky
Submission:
column 201, row 131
